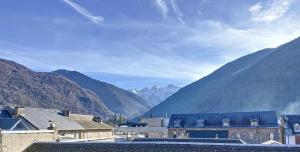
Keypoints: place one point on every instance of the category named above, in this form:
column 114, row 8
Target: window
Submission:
column 271, row 136
column 217, row 136
column 296, row 127
column 238, row 135
column 200, row 122
column 133, row 133
column 254, row 122
column 177, row 123
column 174, row 135
column 251, row 135
column 226, row 122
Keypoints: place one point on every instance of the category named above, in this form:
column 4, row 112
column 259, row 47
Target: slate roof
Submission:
column 8, row 123
column 196, row 140
column 237, row 119
column 290, row 121
column 207, row 133
column 156, row 147
column 41, row 118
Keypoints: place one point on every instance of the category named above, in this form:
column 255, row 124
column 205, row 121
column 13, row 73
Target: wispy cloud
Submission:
column 271, row 11
column 166, row 7
column 162, row 7
column 177, row 11
column 81, row 10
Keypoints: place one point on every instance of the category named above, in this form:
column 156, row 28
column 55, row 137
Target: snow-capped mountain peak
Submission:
column 156, row 94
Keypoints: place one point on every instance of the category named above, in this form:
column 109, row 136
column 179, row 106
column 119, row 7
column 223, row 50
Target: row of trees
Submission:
column 117, row 119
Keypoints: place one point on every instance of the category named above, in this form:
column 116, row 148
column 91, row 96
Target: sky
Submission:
column 138, row 43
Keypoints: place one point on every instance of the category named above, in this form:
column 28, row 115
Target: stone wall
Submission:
column 17, row 141
column 254, row 135
column 93, row 134
column 86, row 134
column 156, row 147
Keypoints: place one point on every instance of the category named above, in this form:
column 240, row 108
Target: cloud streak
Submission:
column 162, row 6
column 84, row 12
column 166, row 7
column 272, row 11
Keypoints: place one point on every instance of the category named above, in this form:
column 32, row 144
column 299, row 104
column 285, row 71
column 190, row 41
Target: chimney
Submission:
column 66, row 113
column 18, row 111
column 52, row 125
column 97, row 119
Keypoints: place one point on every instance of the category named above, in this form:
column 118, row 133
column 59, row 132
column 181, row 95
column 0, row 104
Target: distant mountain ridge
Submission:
column 24, row 87
column 116, row 99
column 156, row 94
column 265, row 80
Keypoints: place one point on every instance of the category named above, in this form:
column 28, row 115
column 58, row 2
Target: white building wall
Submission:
column 290, row 140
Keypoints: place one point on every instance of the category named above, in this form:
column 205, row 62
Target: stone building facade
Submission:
column 17, row 141
column 250, row 127
column 290, row 129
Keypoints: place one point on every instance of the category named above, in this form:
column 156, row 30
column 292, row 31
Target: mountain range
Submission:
column 23, row 87
column 156, row 94
column 118, row 100
column 64, row 89
column 266, row 80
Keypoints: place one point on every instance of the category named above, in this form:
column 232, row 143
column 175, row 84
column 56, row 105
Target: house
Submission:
column 144, row 128
column 290, row 129
column 131, row 133
column 156, row 121
column 69, row 126
column 250, row 127
column 16, row 133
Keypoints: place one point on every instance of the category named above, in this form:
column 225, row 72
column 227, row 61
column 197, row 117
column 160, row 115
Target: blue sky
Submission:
column 153, row 41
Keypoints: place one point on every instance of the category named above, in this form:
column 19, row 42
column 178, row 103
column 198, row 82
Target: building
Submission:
column 290, row 129
column 250, row 127
column 131, row 133
column 156, row 122
column 16, row 133
column 145, row 128
column 69, row 126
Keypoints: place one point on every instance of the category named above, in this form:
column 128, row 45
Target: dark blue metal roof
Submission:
column 291, row 120
column 207, row 133
column 8, row 123
column 237, row 119
column 4, row 114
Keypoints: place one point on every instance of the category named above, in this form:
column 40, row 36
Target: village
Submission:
column 23, row 126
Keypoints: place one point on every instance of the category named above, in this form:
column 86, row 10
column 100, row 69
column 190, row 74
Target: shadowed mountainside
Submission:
column 116, row 99
column 24, row 87
column 265, row 80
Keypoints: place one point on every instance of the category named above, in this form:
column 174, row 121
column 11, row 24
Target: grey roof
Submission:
column 237, row 119
column 40, row 118
column 156, row 147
